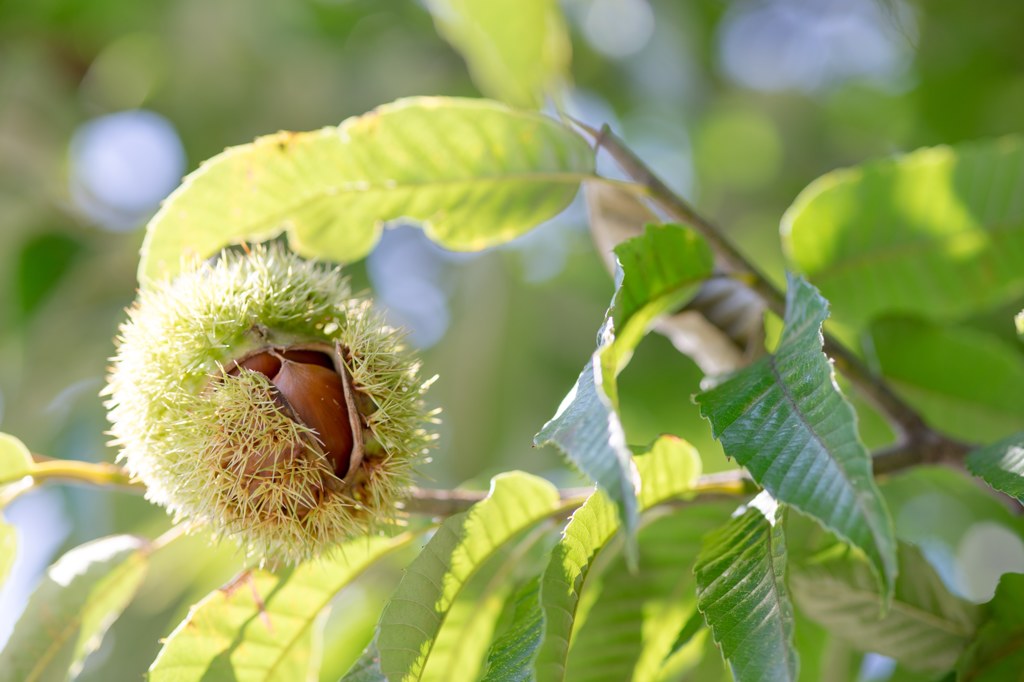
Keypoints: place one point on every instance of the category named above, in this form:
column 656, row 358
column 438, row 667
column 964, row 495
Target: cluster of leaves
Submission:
column 652, row 572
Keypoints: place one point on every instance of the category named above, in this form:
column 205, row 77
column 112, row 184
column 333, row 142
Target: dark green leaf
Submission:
column 926, row 627
column 997, row 652
column 741, row 591
column 264, row 626
column 475, row 173
column 68, row 614
column 44, row 260
column 938, row 232
column 965, row 382
column 660, row 269
column 517, row 50
column 1001, row 465
column 786, row 421
column 511, row 656
column 416, row 612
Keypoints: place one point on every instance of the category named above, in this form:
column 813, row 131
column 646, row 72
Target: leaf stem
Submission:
column 916, row 439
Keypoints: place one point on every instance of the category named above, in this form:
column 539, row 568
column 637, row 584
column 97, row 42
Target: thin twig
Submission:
column 916, row 438
column 75, row 471
column 430, row 502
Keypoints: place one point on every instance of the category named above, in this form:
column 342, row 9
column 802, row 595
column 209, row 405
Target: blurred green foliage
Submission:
column 223, row 73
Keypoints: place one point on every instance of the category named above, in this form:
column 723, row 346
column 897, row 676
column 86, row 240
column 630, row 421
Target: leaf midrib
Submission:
column 776, row 592
column 858, row 500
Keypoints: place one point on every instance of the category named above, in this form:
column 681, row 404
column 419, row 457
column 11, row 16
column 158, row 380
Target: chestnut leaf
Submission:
column 264, row 625
column 1001, row 465
column 546, row 622
column 785, row 420
column 938, row 232
column 977, row 396
column 516, row 50
column 78, row 599
column 741, row 590
column 659, row 271
column 926, row 627
column 8, row 549
column 473, row 173
column 15, row 459
column 418, row 609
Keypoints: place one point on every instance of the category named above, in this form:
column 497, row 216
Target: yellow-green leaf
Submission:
column 474, row 173
column 938, row 232
column 8, row 549
column 516, row 50
column 411, row 621
column 263, row 626
column 68, row 614
column 15, row 459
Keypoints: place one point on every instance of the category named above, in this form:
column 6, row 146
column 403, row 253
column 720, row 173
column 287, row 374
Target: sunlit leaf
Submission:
column 720, row 323
column 473, row 172
column 8, row 549
column 741, row 591
column 15, row 459
column 517, row 50
column 784, row 419
column 1001, row 465
column 634, row 618
column 460, row 648
column 367, row 668
column 262, row 626
column 938, row 232
column 669, row 470
column 926, row 627
column 660, row 269
column 417, row 610
column 997, row 651
column 965, row 382
column 68, row 614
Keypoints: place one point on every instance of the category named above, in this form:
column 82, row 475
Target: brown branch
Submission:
column 918, row 443
column 722, row 485
column 927, row 448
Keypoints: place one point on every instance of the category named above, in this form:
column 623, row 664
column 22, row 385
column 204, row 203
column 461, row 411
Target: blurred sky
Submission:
column 105, row 104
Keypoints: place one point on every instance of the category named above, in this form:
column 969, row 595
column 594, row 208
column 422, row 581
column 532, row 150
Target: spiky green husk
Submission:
column 216, row 448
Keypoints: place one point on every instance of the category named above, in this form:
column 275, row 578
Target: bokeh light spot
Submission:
column 987, row 551
column 122, row 165
column 618, row 28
